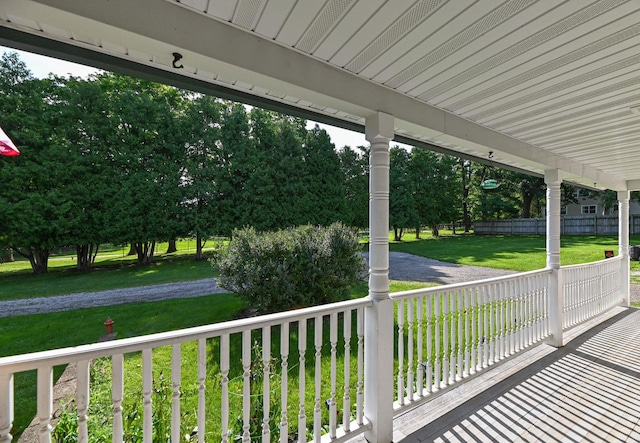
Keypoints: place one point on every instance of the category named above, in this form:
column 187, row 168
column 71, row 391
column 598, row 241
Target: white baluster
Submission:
column 526, row 314
column 446, row 335
column 360, row 388
column 439, row 353
column 224, row 372
column 508, row 302
column 499, row 322
column 462, row 343
column 346, row 397
column 266, row 383
column 117, row 391
column 410, row 321
column 430, row 338
column 284, row 382
column 82, row 399
column 333, row 340
column 445, row 339
column 474, row 357
column 455, row 344
column 147, row 391
column 302, row 348
column 400, row 352
column 317, row 412
column 45, row 400
column 176, row 376
column 522, row 322
column 482, row 328
column 534, row 309
column 491, row 336
column 531, row 311
column 512, row 299
column 420, row 359
column 246, row 386
column 202, row 376
column 6, row 407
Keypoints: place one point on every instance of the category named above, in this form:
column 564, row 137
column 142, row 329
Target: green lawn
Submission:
column 519, row 253
column 21, row 285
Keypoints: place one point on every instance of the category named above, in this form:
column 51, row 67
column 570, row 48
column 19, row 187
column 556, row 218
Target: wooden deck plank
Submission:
column 587, row 391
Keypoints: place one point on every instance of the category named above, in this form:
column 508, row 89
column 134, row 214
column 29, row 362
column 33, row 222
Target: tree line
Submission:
column 119, row 160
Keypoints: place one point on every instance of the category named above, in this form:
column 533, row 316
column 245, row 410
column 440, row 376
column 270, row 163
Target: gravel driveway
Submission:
column 39, row 305
column 402, row 266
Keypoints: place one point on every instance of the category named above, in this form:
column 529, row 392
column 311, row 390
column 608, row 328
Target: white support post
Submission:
column 553, row 179
column 623, row 245
column 6, row 407
column 378, row 376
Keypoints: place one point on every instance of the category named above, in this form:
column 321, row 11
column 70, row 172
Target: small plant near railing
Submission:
column 256, row 408
column 100, row 419
column 291, row 268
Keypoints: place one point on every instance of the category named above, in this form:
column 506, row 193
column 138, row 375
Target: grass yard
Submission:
column 50, row 331
column 519, row 253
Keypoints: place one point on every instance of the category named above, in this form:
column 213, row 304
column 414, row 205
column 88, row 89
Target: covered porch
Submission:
column 585, row 391
column 540, row 87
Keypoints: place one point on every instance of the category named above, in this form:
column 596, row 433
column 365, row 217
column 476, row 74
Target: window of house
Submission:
column 588, row 209
column 563, row 210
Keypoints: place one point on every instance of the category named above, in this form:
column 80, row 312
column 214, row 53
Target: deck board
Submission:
column 587, row 391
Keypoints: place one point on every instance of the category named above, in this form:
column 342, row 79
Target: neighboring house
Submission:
column 590, row 204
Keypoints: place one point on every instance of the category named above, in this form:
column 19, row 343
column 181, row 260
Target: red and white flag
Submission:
column 6, row 145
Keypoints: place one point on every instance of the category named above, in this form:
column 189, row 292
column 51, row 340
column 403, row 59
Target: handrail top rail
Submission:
column 54, row 357
column 593, row 263
column 466, row 285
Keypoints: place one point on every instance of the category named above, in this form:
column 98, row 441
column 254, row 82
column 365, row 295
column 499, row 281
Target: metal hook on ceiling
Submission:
column 176, row 58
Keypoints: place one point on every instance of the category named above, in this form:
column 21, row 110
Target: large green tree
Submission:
column 34, row 209
column 402, row 204
column 147, row 146
column 84, row 128
column 435, row 185
column 354, row 165
column 324, row 202
column 203, row 170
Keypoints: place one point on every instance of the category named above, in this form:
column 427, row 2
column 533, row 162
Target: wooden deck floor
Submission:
column 587, row 391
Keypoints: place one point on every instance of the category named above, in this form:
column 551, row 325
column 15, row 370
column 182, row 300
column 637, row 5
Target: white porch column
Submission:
column 6, row 407
column 623, row 244
column 553, row 179
column 378, row 345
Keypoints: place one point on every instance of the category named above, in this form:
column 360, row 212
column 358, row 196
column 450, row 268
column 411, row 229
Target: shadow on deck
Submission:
column 587, row 391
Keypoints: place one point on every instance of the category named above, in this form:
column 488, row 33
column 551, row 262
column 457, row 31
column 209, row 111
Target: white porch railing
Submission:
column 447, row 333
column 318, row 333
column 590, row 289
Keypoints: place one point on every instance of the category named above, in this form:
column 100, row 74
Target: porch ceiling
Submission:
column 543, row 84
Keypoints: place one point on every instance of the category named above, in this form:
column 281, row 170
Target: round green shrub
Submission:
column 291, row 268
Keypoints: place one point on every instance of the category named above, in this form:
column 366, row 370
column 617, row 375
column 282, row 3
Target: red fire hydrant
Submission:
column 109, row 325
